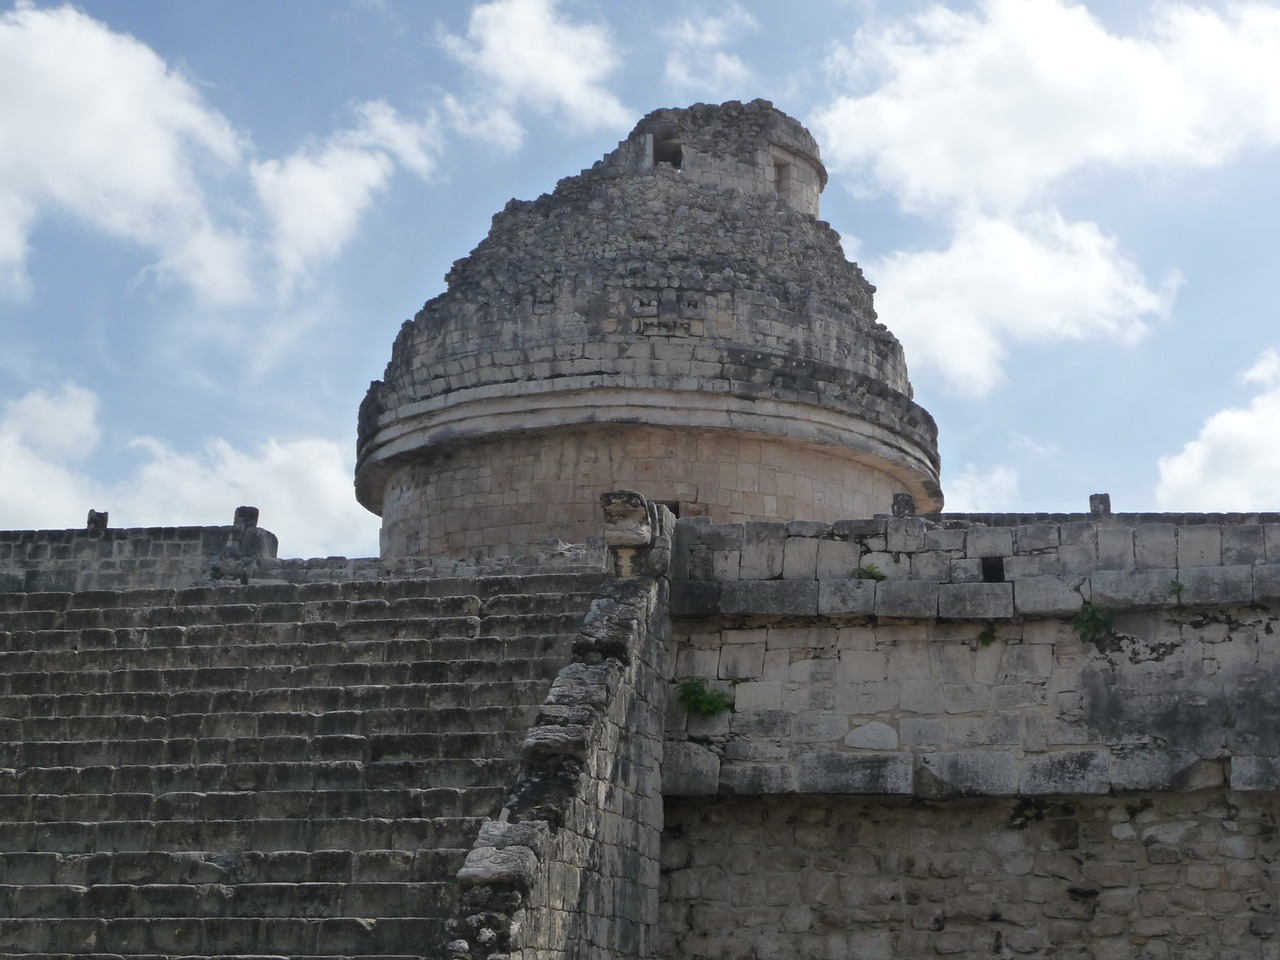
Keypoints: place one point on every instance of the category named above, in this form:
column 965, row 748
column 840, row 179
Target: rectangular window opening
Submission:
column 993, row 569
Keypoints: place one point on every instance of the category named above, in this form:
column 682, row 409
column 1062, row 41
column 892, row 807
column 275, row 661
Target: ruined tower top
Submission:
column 675, row 320
column 746, row 146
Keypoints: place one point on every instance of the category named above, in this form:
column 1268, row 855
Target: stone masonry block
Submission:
column 689, row 770
column 932, row 565
column 1266, row 582
column 1155, row 545
column 944, row 539
column 855, row 529
column 905, row 535
column 762, row 545
column 873, row 736
column 988, row 542
column 846, row 596
column 800, row 559
column 1034, row 538
column 777, row 597
column 1115, row 548
column 1271, row 538
column 1243, row 544
column 829, row 771
column 757, row 779
column 1216, row 584
column 914, row 599
column 837, row 558
column 894, row 567
column 1047, row 596
column 721, row 536
column 1255, row 773
column 975, row 601
column 808, row 528
column 1066, row 772
column 1132, row 588
column 966, row 571
column 976, row 774
column 741, row 661
column 1199, row 545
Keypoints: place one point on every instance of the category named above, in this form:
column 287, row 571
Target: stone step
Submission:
column 374, row 748
column 462, row 774
column 491, row 719
column 241, row 805
column 273, row 676
column 283, row 866
column 211, row 836
column 286, row 699
column 63, row 656
column 220, row 937
column 241, row 900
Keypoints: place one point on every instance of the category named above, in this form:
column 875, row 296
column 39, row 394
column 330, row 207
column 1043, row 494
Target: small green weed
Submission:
column 698, row 698
column 987, row 637
column 1094, row 624
column 869, row 572
column 1176, row 588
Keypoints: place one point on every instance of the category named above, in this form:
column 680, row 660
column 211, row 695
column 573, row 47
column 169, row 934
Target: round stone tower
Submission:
column 674, row 320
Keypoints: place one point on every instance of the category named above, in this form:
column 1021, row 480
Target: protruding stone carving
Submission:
column 248, row 548
column 904, row 505
column 637, row 532
column 97, row 523
column 1100, row 504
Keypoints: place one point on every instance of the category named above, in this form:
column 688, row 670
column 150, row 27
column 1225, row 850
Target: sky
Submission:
column 216, row 214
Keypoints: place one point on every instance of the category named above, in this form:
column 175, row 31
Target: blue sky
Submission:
column 215, row 214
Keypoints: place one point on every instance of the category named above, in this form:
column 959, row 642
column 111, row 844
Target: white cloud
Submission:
column 316, row 197
column 303, row 487
column 94, row 126
column 528, row 53
column 698, row 65
column 1039, row 278
column 977, row 491
column 1234, row 462
column 989, row 109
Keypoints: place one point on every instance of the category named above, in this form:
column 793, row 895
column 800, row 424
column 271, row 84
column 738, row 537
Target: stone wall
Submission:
column 1042, row 659
column 1191, row 876
column 498, row 497
column 111, row 559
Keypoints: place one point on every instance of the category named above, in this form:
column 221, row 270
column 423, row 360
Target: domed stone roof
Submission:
column 674, row 319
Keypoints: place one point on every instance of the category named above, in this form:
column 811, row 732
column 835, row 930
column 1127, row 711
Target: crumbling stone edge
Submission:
column 572, row 859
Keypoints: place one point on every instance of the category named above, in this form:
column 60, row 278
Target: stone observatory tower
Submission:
column 675, row 320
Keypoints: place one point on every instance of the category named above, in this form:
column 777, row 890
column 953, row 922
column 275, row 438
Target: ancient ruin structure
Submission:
column 674, row 319
column 798, row 720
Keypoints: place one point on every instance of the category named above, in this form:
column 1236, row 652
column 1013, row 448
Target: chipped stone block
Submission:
column 515, row 867
column 819, row 727
column 829, row 771
column 988, row 542
column 762, row 546
column 1214, row 585
column 808, row 528
column 689, row 770
column 756, row 779
column 800, row 559
column 846, row 596
column 939, row 538
column 932, row 565
column 1266, row 582
column 904, row 535
column 1035, row 537
column 1149, row 768
column 1255, row 773
column 1046, row 596
column 780, row 597
column 873, row 736
column 913, row 599
column 855, row 529
column 974, row 774
column 1115, row 548
column 1155, row 545
column 1142, row 588
column 966, row 571
column 1199, row 545
column 740, row 661
column 836, row 559
column 1243, row 544
column 975, row 601
column 1066, row 772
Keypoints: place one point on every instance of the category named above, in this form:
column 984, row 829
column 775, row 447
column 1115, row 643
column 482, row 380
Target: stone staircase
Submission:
column 272, row 770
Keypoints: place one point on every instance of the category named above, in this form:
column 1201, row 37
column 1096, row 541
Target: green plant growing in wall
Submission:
column 700, row 699
column 1176, row 588
column 869, row 572
column 987, row 636
column 1094, row 624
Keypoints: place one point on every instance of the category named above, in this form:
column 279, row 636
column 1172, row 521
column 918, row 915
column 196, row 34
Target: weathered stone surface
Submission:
column 1047, row 596
column 913, row 599
column 1066, row 772
column 975, row 601
column 847, row 596
column 979, row 773
column 827, row 771
column 689, row 769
